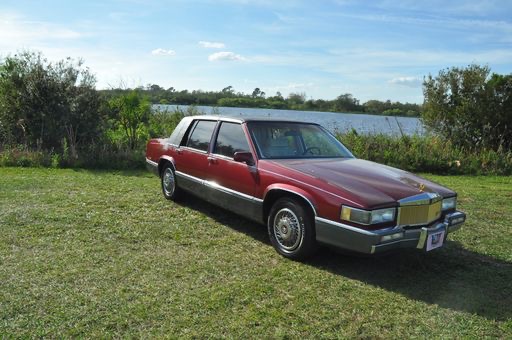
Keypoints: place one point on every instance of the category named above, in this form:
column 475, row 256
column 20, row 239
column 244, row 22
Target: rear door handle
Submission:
column 212, row 160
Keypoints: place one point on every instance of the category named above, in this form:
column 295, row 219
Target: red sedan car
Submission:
column 304, row 184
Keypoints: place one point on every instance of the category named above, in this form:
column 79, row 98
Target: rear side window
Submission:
column 201, row 134
column 231, row 139
column 179, row 131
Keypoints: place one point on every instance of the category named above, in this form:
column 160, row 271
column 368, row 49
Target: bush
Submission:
column 470, row 107
column 24, row 157
column 428, row 154
column 111, row 151
column 42, row 102
column 163, row 123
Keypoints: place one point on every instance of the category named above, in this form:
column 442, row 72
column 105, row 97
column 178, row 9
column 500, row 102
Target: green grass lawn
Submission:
column 103, row 254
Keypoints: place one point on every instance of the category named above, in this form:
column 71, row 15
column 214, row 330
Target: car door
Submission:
column 235, row 183
column 192, row 157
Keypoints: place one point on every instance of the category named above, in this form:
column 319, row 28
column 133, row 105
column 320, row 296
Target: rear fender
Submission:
column 164, row 159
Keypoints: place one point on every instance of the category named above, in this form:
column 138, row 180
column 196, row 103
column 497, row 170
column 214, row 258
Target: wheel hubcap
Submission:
column 287, row 229
column 168, row 181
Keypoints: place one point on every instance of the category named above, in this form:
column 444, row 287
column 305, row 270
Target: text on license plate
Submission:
column 435, row 240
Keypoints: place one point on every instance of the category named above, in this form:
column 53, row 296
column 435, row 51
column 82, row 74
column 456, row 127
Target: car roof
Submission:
column 245, row 119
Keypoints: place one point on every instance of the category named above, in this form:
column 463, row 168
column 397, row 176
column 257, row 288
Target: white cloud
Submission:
column 211, row 44
column 161, row 51
column 228, row 56
column 406, row 81
column 16, row 32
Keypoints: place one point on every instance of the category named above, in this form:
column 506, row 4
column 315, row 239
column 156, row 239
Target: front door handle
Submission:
column 212, row 160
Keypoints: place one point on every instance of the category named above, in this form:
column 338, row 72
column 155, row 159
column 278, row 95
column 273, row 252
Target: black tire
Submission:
column 170, row 188
column 291, row 229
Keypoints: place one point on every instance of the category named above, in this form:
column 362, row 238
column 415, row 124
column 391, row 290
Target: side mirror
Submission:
column 244, row 157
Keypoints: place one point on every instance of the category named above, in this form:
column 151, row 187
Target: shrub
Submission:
column 470, row 107
column 428, row 154
column 24, row 157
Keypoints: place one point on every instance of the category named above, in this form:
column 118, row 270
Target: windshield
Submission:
column 275, row 140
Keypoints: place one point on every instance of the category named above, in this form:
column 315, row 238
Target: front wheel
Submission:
column 291, row 229
column 168, row 180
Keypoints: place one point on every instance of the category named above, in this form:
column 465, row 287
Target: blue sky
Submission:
column 378, row 49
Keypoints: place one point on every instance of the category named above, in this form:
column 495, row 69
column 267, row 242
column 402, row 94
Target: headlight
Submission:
column 449, row 203
column 367, row 216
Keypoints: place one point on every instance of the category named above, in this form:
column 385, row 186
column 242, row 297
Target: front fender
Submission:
column 293, row 190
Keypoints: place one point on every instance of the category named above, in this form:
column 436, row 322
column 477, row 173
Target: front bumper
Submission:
column 377, row 241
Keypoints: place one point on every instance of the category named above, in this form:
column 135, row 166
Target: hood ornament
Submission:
column 421, row 187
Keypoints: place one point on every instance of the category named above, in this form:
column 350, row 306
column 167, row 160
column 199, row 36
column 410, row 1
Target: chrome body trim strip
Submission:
column 184, row 147
column 216, row 186
column 192, row 178
column 152, row 166
column 379, row 232
column 296, row 193
column 375, row 247
column 421, row 199
column 150, row 162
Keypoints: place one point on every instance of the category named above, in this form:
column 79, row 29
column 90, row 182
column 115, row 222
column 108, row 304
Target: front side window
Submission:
column 201, row 134
column 295, row 140
column 231, row 139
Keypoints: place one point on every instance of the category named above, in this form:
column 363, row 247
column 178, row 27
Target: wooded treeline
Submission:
column 52, row 115
column 259, row 99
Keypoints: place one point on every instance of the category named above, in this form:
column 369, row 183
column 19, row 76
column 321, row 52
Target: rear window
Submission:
column 201, row 134
column 177, row 135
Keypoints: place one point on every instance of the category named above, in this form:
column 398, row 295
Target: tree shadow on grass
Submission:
column 451, row 277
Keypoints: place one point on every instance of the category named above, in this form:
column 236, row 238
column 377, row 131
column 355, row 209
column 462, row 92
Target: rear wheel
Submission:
column 291, row 229
column 168, row 180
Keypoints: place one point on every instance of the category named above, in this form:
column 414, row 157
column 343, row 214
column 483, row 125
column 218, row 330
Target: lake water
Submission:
column 341, row 122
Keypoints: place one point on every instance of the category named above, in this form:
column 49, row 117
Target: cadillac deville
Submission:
column 304, row 184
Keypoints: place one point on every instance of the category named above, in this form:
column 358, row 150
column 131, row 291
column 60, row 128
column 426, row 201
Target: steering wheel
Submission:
column 310, row 150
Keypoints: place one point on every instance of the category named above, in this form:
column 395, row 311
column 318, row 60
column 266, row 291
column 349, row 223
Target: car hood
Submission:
column 370, row 184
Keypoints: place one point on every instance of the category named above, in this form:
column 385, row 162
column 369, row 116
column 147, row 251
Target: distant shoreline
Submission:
column 334, row 121
column 295, row 109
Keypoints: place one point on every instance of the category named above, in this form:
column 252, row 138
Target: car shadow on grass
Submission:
column 451, row 277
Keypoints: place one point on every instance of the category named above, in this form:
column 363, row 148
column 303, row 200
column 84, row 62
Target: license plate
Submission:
column 435, row 240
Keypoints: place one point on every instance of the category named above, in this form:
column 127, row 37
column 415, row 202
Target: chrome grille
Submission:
column 420, row 209
column 419, row 214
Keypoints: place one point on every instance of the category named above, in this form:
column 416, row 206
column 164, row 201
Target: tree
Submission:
column 228, row 91
column 257, row 93
column 297, row 98
column 133, row 113
column 41, row 103
column 154, row 88
column 346, row 103
column 81, row 118
column 469, row 106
